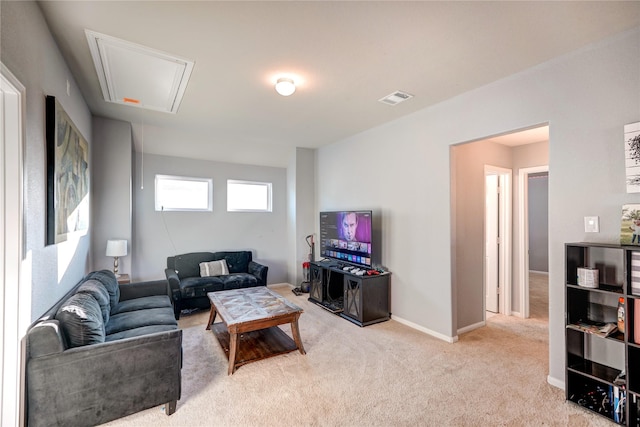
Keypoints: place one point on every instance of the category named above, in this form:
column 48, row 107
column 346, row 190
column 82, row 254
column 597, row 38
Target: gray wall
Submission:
column 161, row 234
column 539, row 222
column 410, row 181
column 111, row 216
column 301, row 210
column 30, row 53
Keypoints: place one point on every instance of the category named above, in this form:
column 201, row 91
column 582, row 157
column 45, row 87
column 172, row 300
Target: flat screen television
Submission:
column 346, row 236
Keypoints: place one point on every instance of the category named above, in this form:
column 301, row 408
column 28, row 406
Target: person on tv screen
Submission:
column 349, row 226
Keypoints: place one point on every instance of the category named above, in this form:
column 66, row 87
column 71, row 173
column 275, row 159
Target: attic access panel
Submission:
column 135, row 75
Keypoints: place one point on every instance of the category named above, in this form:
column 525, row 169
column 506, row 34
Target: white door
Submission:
column 12, row 325
column 492, row 260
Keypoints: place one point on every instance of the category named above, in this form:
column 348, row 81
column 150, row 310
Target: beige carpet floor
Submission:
column 539, row 296
column 382, row 375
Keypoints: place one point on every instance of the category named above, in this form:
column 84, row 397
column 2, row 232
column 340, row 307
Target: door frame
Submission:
column 505, row 231
column 523, row 235
column 12, row 322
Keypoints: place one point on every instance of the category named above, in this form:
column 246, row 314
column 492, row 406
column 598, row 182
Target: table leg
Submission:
column 212, row 317
column 233, row 347
column 295, row 331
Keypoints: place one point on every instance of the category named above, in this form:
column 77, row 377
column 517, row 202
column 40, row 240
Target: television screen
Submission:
column 346, row 236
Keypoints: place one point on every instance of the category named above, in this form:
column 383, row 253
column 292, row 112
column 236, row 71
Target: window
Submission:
column 247, row 196
column 180, row 193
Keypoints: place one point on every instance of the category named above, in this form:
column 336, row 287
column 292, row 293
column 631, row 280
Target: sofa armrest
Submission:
column 105, row 381
column 144, row 289
column 173, row 279
column 45, row 338
column 259, row 271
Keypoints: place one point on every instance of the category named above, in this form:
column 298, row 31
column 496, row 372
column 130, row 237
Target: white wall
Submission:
column 158, row 235
column 586, row 97
column 30, row 53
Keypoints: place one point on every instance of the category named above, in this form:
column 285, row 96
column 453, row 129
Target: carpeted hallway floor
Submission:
column 383, row 375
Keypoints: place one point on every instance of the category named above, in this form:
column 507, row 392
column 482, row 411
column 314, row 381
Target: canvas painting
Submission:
column 67, row 175
column 632, row 156
column 630, row 225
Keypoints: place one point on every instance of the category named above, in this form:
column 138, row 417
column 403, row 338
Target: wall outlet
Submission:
column 591, row 224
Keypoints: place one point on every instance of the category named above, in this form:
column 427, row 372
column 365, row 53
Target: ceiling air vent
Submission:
column 395, row 98
column 136, row 75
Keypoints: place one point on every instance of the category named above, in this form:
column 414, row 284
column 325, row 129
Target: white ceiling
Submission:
column 344, row 56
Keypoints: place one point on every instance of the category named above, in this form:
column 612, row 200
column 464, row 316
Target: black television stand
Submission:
column 363, row 300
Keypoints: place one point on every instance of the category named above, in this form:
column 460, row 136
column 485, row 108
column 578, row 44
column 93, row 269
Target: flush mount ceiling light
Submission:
column 285, row 86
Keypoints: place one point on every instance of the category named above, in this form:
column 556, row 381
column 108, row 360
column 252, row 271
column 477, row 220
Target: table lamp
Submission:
column 116, row 249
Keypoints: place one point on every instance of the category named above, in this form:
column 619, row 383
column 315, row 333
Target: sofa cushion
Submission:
column 100, row 293
column 199, row 286
column 110, row 282
column 137, row 319
column 214, row 268
column 188, row 265
column 81, row 320
column 239, row 280
column 137, row 332
column 153, row 301
column 237, row 261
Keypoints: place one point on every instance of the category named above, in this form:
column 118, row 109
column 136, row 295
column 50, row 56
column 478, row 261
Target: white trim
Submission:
column 523, row 234
column 472, row 327
column 555, row 382
column 505, row 253
column 14, row 308
column 417, row 327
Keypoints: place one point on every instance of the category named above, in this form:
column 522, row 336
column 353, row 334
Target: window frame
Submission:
column 161, row 208
column 269, row 187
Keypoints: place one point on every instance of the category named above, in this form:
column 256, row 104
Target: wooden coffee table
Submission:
column 249, row 330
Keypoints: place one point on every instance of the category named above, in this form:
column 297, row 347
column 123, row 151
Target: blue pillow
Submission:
column 81, row 320
column 99, row 292
column 110, row 282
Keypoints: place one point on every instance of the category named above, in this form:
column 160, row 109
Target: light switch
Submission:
column 591, row 224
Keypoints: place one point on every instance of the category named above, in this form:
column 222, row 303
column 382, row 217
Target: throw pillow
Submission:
column 110, row 282
column 100, row 293
column 214, row 268
column 81, row 320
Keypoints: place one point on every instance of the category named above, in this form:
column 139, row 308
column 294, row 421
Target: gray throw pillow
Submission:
column 97, row 290
column 214, row 268
column 110, row 282
column 81, row 320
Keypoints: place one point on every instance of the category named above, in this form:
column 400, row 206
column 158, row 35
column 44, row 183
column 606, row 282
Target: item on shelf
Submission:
column 588, row 277
column 635, row 272
column 600, row 329
column 621, row 314
column 636, row 321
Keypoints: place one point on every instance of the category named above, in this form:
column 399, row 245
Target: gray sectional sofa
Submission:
column 190, row 280
column 103, row 352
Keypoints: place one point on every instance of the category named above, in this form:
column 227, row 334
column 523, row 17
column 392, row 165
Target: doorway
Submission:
column 529, row 220
column 12, row 323
column 497, row 240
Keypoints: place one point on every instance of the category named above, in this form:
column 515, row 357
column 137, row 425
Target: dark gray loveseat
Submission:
column 189, row 287
column 103, row 352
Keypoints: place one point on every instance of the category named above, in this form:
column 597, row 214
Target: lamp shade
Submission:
column 116, row 248
column 285, row 86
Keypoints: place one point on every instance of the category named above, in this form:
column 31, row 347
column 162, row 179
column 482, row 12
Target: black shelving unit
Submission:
column 363, row 300
column 602, row 371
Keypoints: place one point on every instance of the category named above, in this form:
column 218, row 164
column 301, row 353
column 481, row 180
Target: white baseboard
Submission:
column 280, row 285
column 546, row 273
column 555, row 382
column 417, row 327
column 471, row 327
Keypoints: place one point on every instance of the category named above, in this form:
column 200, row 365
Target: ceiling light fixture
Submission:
column 285, row 86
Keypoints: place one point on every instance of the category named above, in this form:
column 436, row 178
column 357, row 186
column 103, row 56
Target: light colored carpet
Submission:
column 382, row 375
column 539, row 296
